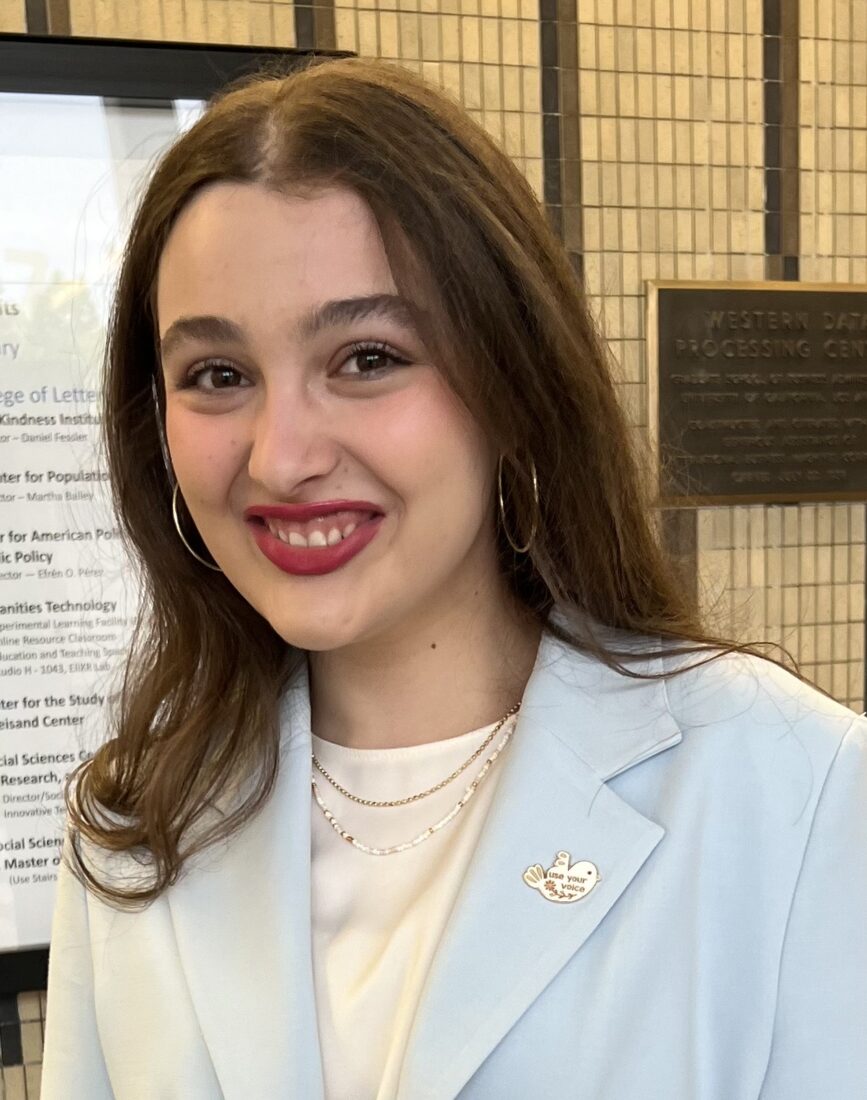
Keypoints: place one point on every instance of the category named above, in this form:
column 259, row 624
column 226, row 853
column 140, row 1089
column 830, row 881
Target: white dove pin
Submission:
column 563, row 882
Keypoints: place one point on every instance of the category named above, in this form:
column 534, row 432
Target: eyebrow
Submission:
column 390, row 307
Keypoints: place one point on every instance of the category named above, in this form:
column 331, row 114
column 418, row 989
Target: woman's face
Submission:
column 267, row 409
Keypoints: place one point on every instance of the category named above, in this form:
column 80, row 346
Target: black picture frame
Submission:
column 128, row 72
column 137, row 69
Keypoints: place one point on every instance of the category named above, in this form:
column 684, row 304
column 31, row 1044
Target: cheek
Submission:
column 431, row 445
column 205, row 455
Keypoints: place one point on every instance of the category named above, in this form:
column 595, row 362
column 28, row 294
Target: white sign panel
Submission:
column 71, row 168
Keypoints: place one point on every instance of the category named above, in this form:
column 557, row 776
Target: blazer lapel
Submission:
column 580, row 724
column 242, row 923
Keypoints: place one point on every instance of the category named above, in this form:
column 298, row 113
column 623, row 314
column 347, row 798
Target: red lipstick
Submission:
column 313, row 560
column 302, row 512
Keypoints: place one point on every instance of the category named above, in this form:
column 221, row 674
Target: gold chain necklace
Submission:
column 453, row 812
column 431, row 790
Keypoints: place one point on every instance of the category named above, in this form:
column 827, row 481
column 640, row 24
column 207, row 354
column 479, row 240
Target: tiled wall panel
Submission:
column 793, row 575
column 12, row 17
column 672, row 127
column 239, row 22
column 486, row 52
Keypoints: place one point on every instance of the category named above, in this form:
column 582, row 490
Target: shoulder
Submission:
column 730, row 713
column 769, row 731
column 743, row 688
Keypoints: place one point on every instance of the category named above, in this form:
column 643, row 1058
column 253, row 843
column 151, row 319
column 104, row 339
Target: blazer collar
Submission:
column 580, row 724
column 608, row 720
column 242, row 922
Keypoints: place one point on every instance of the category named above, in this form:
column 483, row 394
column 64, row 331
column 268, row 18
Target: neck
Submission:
column 451, row 671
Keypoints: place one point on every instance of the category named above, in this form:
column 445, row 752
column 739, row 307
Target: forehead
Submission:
column 237, row 247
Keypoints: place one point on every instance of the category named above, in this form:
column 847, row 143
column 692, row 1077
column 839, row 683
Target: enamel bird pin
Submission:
column 563, row 882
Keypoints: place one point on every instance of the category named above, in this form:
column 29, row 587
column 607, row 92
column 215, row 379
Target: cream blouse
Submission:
column 377, row 919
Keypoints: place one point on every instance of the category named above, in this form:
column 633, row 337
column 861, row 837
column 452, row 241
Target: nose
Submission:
column 291, row 442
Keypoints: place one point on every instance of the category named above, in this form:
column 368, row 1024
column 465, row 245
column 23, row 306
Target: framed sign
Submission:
column 82, row 122
column 758, row 391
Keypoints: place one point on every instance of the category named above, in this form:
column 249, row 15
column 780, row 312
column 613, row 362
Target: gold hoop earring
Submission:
column 176, row 518
column 518, row 549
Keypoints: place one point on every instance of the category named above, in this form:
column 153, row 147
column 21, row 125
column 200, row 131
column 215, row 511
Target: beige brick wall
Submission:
column 12, row 17
column 673, row 187
column 485, row 51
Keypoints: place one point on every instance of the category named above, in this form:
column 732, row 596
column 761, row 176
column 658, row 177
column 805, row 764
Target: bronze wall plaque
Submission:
column 758, row 391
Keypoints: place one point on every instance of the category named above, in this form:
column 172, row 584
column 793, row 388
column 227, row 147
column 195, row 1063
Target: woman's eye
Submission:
column 221, row 376
column 372, row 359
column 368, row 360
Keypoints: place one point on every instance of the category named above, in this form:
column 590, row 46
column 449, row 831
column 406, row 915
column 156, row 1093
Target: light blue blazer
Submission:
column 722, row 955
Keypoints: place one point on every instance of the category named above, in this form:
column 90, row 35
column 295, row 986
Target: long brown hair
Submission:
column 198, row 706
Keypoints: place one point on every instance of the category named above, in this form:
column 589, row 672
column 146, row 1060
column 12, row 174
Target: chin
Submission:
column 318, row 637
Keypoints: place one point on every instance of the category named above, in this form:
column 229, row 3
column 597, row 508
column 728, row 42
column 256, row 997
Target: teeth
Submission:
column 316, row 538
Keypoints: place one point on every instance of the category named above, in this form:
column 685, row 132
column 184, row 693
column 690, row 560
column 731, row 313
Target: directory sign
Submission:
column 71, row 170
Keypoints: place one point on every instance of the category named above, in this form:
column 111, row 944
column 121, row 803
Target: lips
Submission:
column 273, row 526
column 302, row 512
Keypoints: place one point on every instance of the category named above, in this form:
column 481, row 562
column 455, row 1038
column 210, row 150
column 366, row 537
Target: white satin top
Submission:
column 377, row 919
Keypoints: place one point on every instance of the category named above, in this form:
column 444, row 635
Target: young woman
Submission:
column 426, row 780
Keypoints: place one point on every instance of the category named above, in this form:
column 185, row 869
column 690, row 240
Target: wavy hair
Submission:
column 198, row 706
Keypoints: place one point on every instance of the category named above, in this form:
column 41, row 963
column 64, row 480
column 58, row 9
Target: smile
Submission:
column 314, row 546
column 323, row 531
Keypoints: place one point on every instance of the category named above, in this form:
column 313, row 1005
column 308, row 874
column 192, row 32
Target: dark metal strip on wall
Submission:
column 550, row 75
column 781, row 42
column 10, row 1033
column 47, row 17
column 315, row 25
column 680, row 534
column 561, row 125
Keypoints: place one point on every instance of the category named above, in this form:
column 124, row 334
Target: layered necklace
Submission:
column 443, row 821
